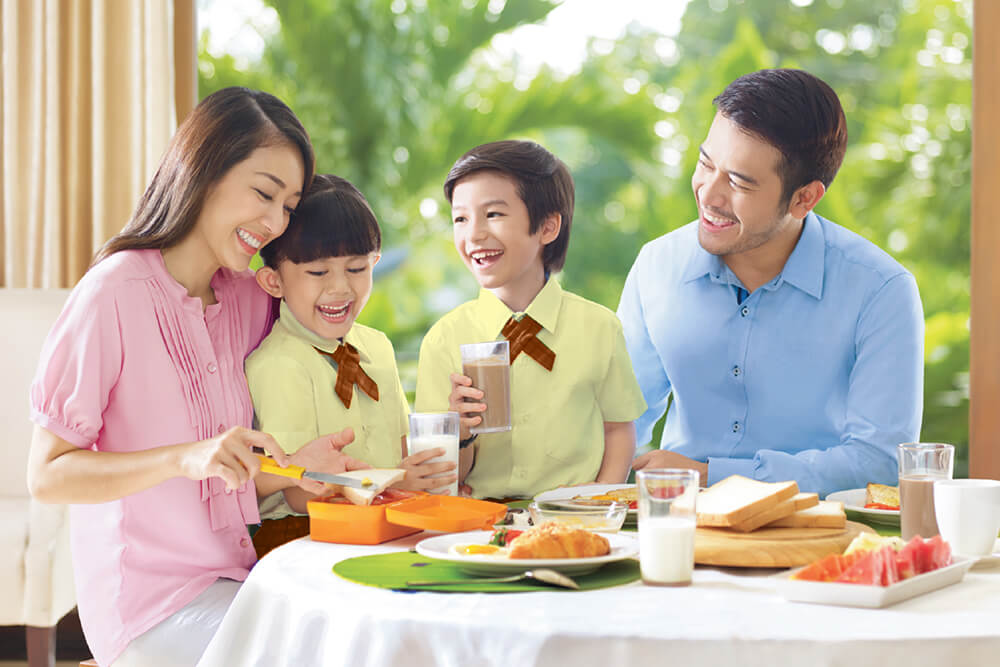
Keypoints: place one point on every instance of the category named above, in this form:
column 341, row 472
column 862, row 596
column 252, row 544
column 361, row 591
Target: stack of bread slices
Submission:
column 744, row 504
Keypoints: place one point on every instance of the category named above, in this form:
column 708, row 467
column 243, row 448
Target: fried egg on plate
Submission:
column 489, row 550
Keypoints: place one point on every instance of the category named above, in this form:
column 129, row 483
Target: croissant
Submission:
column 554, row 540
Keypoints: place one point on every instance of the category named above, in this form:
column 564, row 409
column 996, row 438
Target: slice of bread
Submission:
column 380, row 478
column 785, row 508
column 736, row 498
column 827, row 514
column 880, row 493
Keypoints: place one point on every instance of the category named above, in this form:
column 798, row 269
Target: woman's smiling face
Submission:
column 251, row 205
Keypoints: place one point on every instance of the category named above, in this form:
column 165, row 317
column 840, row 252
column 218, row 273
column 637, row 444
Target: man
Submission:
column 791, row 347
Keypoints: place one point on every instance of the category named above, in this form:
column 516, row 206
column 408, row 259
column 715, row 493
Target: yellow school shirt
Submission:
column 557, row 416
column 292, row 387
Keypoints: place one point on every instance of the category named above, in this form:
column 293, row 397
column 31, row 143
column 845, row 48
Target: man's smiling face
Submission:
column 738, row 191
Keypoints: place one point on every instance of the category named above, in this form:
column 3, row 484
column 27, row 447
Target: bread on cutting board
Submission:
column 799, row 501
column 736, row 498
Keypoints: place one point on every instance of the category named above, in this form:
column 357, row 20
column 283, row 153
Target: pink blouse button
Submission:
column 212, row 367
column 245, row 542
column 222, row 427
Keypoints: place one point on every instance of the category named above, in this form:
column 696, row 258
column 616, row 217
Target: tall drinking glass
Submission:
column 488, row 364
column 667, row 522
column 920, row 464
column 436, row 429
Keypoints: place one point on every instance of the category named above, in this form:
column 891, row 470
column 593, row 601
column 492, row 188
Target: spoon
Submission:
column 545, row 576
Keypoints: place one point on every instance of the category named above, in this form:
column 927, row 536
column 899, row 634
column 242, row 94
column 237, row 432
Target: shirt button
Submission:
column 245, row 542
column 736, row 371
column 736, row 427
column 221, row 428
column 744, row 311
column 212, row 367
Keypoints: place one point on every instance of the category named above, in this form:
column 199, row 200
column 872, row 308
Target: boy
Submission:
column 571, row 414
column 318, row 371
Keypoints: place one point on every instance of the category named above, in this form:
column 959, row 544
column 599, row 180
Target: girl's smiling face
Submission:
column 325, row 295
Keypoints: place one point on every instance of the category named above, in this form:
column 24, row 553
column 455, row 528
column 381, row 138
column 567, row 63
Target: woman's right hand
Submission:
column 463, row 400
column 229, row 456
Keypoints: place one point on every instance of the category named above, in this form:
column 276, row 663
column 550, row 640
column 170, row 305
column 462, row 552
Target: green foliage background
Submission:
column 393, row 91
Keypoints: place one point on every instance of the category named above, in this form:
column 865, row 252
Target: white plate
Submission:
column 570, row 492
column 857, row 595
column 622, row 546
column 854, row 501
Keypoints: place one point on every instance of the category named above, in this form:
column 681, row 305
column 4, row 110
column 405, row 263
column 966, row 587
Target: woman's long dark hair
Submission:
column 222, row 131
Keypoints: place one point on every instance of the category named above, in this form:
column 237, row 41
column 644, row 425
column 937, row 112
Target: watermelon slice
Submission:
column 829, row 567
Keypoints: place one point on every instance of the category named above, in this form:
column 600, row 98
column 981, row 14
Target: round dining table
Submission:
column 293, row 610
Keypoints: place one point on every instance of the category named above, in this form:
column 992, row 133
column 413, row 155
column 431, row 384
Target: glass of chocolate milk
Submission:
column 488, row 364
column 920, row 464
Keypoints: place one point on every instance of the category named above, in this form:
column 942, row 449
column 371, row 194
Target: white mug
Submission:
column 968, row 514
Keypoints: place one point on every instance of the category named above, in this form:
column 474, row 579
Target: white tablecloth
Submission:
column 293, row 610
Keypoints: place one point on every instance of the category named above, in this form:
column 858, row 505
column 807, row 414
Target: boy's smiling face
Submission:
column 326, row 295
column 492, row 234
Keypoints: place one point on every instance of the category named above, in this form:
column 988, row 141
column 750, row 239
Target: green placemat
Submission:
column 395, row 569
column 883, row 529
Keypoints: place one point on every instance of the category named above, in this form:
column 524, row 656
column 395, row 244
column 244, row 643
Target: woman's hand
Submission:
column 324, row 455
column 464, row 400
column 419, row 471
column 229, row 456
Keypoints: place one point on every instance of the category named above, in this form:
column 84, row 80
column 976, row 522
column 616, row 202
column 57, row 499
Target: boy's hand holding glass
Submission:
column 463, row 400
column 324, row 455
column 419, row 471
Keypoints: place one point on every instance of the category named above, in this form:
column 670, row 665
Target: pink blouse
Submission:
column 133, row 362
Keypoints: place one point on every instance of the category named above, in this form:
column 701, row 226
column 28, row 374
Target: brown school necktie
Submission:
column 350, row 373
column 521, row 334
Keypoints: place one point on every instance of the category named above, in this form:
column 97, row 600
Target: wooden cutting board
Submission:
column 772, row 547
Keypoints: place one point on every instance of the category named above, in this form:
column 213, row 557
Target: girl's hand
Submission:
column 229, row 456
column 464, row 400
column 324, row 455
column 418, row 471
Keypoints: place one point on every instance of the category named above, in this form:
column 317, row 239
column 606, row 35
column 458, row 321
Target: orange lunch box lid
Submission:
column 448, row 514
column 346, row 523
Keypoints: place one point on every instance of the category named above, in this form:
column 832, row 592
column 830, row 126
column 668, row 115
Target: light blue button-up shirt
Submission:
column 816, row 376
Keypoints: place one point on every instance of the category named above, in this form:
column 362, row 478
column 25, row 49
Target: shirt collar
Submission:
column 702, row 263
column 299, row 330
column 544, row 308
column 804, row 268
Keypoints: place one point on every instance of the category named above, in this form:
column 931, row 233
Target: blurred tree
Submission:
column 393, row 91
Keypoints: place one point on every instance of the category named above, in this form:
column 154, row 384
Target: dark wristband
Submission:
column 462, row 444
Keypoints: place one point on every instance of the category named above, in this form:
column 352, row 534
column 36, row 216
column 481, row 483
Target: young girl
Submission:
column 140, row 401
column 301, row 385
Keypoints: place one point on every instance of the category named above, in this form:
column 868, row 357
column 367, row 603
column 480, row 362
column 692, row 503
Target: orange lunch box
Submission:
column 345, row 523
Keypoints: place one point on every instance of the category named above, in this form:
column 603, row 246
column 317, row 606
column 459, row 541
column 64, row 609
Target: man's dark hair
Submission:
column 797, row 113
column 332, row 220
column 543, row 183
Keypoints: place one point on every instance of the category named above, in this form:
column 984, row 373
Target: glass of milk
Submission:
column 667, row 523
column 436, row 429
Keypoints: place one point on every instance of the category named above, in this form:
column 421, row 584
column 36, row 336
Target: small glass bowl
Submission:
column 599, row 516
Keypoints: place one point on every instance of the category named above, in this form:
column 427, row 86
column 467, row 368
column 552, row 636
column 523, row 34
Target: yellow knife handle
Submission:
column 267, row 464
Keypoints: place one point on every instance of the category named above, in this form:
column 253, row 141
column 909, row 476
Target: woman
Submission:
column 140, row 402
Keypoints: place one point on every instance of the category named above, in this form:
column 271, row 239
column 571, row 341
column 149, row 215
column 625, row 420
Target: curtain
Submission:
column 90, row 93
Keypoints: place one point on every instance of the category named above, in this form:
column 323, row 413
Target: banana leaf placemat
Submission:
column 395, row 569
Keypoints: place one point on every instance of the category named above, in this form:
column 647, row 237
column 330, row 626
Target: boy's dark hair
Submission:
column 797, row 113
column 543, row 183
column 332, row 220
